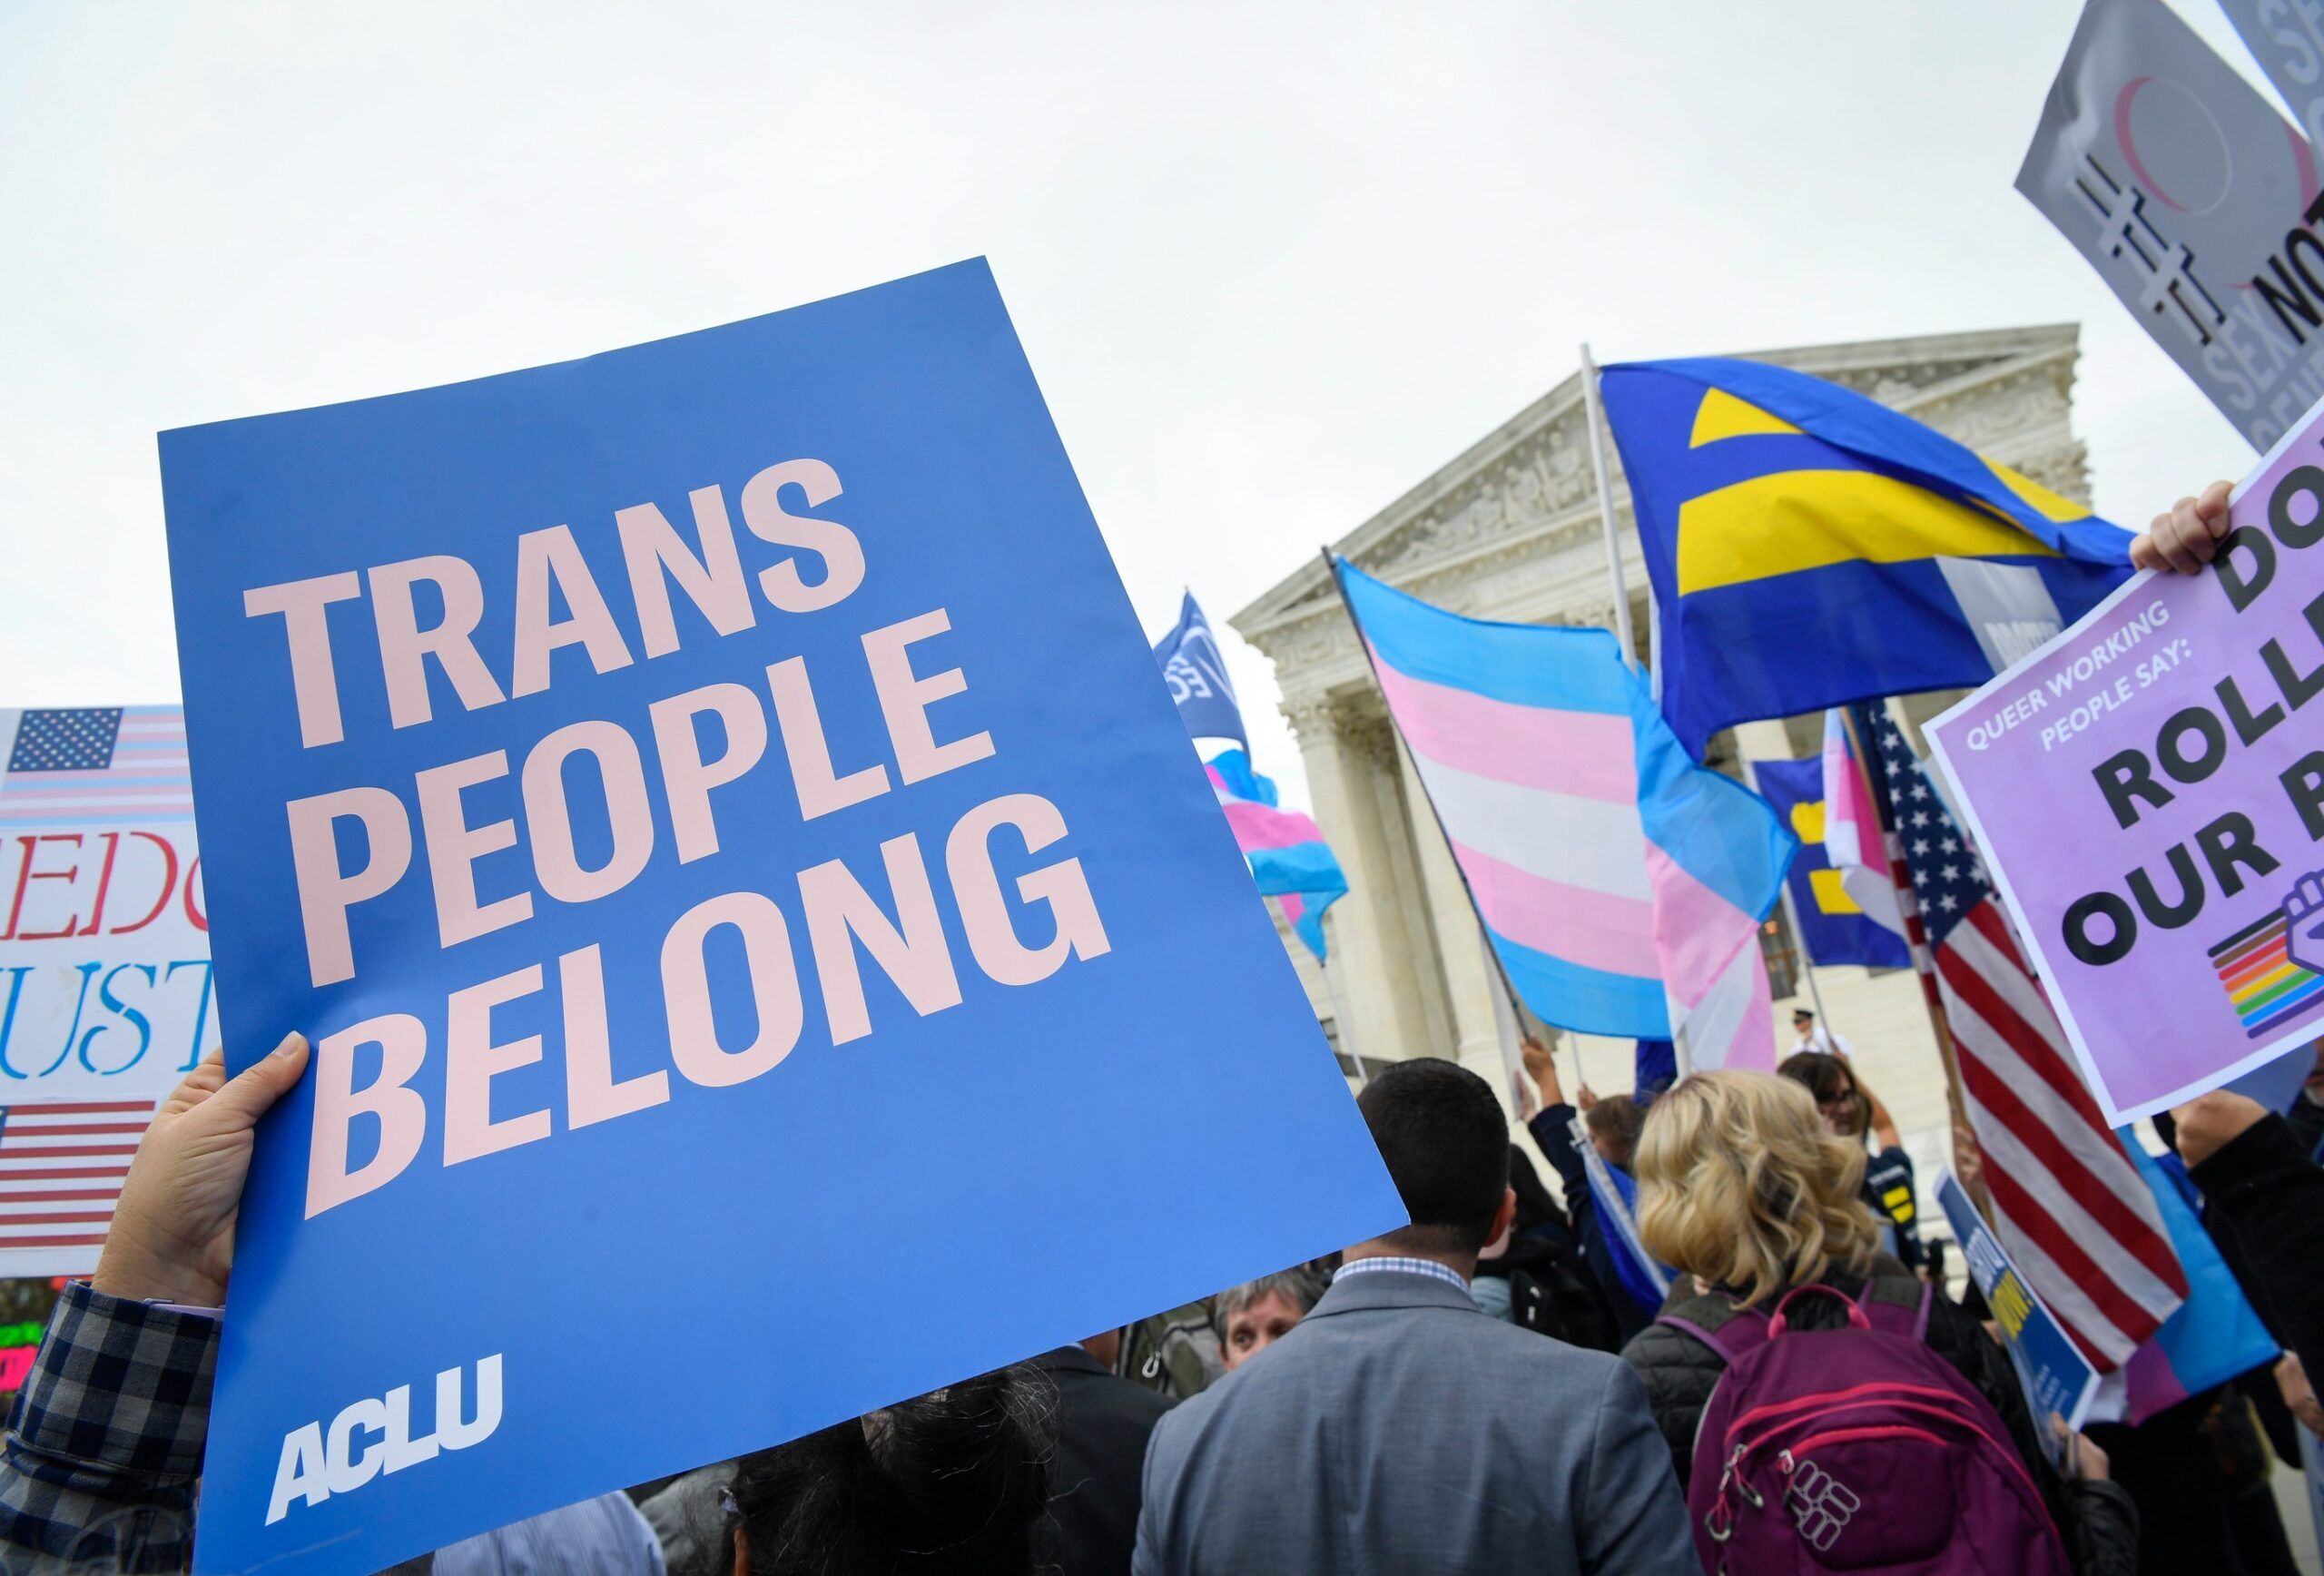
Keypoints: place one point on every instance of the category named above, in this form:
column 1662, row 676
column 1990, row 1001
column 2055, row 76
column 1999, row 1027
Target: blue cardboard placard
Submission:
column 714, row 810
column 2051, row 1369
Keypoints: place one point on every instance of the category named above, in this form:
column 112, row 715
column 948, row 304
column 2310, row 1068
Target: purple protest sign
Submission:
column 2148, row 790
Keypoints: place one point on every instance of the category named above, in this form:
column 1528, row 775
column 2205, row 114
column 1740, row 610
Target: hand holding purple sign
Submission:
column 2148, row 814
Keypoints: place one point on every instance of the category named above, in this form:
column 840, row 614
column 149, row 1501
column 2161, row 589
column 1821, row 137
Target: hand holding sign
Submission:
column 171, row 1239
column 2186, row 536
column 2151, row 804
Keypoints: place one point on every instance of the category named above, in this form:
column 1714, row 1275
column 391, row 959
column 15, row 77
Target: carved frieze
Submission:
column 1515, row 532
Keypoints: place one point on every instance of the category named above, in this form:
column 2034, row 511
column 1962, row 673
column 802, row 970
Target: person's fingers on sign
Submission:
column 171, row 1239
column 2085, row 1461
column 2208, row 1123
column 2186, row 537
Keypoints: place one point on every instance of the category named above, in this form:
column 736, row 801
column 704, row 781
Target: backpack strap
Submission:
column 1719, row 1323
column 1896, row 1301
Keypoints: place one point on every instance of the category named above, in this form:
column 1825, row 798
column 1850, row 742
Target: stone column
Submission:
column 1374, row 953
column 1472, row 982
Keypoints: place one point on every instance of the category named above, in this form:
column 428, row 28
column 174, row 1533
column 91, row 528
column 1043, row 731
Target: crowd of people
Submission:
column 1502, row 1384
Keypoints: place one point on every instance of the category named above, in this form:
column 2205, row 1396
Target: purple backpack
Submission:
column 1853, row 1449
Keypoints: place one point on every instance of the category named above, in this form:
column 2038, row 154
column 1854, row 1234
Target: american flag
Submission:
column 84, row 763
column 2067, row 1201
column 61, row 1167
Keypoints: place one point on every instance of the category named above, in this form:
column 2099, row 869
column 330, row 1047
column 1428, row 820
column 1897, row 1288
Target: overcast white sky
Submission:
column 1273, row 263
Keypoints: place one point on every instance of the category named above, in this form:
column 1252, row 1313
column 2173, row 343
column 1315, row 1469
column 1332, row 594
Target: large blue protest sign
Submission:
column 714, row 810
column 2051, row 1369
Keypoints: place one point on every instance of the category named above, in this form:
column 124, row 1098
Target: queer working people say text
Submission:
column 662, row 755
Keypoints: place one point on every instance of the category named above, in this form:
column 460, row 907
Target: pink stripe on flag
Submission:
column 1695, row 929
column 1615, row 934
column 1262, row 826
column 1586, row 754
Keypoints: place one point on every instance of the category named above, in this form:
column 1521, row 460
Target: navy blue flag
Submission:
column 1832, row 928
column 1197, row 674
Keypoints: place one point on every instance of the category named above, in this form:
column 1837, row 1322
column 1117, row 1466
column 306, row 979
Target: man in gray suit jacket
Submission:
column 1397, row 1429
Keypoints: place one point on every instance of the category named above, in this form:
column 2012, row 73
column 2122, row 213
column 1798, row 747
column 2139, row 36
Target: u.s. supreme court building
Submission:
column 1511, row 530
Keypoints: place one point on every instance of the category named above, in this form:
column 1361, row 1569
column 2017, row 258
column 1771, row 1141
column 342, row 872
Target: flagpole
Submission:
column 1791, row 917
column 1602, row 470
column 1345, row 1024
column 1924, row 965
column 1600, row 467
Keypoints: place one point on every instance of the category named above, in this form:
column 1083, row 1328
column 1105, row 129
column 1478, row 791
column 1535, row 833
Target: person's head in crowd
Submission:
column 2314, row 1088
column 1536, row 1205
column 953, row 1483
column 1829, row 1082
column 1743, row 1185
column 1613, row 1122
column 1802, row 1020
column 1253, row 1317
column 1445, row 1142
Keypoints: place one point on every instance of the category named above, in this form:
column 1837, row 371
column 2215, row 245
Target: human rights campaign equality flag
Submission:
column 1809, row 547
column 1621, row 884
column 1832, row 927
column 1196, row 674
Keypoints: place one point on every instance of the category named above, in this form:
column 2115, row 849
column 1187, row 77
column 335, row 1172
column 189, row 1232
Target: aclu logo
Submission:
column 370, row 1436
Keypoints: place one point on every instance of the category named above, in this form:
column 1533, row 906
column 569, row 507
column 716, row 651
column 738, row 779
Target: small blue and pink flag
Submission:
column 1288, row 857
column 1622, row 885
column 2214, row 1334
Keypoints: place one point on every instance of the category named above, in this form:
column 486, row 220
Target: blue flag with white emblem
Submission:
column 1196, row 674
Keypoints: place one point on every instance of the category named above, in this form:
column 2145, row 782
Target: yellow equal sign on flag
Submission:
column 1831, row 897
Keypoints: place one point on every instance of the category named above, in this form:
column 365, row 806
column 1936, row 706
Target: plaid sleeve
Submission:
column 103, row 1450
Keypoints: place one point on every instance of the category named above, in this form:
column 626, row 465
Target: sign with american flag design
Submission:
column 61, row 1167
column 104, row 943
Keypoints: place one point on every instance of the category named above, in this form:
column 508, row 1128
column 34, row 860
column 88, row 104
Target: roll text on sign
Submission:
column 714, row 810
column 2148, row 788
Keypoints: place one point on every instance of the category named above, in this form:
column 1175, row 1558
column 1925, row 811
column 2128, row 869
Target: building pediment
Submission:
column 1510, row 527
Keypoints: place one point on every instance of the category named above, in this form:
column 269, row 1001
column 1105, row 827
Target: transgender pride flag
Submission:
column 1622, row 885
column 1288, row 858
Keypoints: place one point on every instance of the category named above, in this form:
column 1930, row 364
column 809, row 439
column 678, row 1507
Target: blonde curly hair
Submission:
column 1741, row 1185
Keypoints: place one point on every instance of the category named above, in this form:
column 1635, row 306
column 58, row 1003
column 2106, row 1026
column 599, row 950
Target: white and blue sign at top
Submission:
column 712, row 811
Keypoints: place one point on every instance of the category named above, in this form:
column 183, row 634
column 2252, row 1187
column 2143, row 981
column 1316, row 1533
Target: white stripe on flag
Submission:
column 1583, row 843
column 2007, row 1153
column 2059, row 1290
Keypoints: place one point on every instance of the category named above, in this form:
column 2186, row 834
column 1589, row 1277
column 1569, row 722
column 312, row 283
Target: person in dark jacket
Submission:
column 1101, row 1424
column 1553, row 1129
column 1745, row 1191
column 2251, row 1166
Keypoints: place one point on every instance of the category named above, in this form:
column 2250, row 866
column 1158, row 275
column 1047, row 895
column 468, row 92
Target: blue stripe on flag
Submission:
column 1714, row 828
column 1304, row 867
column 1600, row 1001
column 1502, row 662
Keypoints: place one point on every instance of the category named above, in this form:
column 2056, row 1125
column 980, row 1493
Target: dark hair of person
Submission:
column 1618, row 1120
column 1827, row 1077
column 1535, row 1203
column 1445, row 1142
column 951, row 1483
